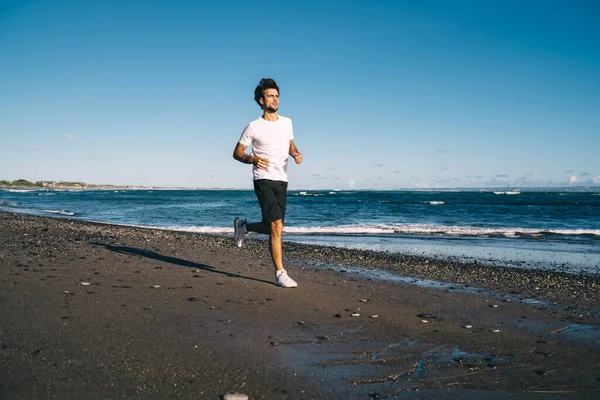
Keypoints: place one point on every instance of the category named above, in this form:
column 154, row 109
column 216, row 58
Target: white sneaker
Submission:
column 239, row 231
column 282, row 279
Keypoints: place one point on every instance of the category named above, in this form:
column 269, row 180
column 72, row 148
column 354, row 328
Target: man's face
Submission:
column 270, row 100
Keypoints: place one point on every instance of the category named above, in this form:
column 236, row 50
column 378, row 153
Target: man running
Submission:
column 272, row 139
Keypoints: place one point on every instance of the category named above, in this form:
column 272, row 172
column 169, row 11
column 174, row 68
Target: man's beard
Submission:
column 271, row 109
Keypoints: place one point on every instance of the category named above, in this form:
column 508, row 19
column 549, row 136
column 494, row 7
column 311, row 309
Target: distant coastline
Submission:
column 23, row 184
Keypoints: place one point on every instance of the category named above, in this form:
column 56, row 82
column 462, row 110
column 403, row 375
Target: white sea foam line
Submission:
column 390, row 230
column 196, row 229
column 61, row 212
column 433, row 229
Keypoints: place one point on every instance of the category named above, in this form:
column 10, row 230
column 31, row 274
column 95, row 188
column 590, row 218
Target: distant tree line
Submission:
column 39, row 184
column 21, row 182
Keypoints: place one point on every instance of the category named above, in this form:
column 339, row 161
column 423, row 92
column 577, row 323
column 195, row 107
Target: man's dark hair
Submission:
column 265, row 83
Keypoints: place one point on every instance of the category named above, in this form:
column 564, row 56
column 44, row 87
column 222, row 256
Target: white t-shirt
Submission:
column 271, row 140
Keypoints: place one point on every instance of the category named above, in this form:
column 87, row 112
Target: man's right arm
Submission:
column 240, row 154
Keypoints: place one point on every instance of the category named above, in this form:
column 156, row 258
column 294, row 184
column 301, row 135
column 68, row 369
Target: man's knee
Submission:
column 277, row 227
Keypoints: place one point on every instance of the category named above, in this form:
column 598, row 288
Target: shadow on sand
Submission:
column 172, row 260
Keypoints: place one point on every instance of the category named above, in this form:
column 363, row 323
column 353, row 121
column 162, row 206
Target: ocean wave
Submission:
column 60, row 212
column 437, row 230
column 18, row 208
column 197, row 229
column 308, row 194
column 409, row 229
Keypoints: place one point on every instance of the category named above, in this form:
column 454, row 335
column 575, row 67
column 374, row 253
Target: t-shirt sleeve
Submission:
column 291, row 130
column 247, row 136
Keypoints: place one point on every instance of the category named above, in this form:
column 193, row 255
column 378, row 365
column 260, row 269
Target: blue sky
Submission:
column 383, row 94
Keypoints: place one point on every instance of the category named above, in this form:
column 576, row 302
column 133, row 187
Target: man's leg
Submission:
column 281, row 276
column 272, row 199
column 275, row 232
column 258, row 227
column 275, row 244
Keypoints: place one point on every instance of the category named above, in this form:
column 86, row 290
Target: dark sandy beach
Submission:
column 170, row 315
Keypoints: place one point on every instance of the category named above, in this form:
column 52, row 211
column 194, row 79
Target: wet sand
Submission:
column 189, row 316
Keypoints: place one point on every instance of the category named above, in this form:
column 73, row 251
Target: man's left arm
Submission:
column 295, row 153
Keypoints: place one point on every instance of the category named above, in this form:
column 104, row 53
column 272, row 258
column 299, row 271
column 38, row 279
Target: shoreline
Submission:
column 184, row 315
column 541, row 246
column 549, row 286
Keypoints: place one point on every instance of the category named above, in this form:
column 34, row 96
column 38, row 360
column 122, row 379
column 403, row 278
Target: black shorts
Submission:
column 272, row 197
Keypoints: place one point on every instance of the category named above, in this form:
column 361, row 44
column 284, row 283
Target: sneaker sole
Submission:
column 285, row 286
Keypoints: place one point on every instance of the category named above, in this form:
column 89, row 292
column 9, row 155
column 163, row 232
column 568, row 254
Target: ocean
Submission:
column 547, row 229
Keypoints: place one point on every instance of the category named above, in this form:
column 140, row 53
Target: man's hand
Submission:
column 261, row 163
column 297, row 157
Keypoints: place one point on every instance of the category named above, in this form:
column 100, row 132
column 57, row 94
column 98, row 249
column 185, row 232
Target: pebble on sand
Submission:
column 468, row 326
column 84, row 283
column 355, row 315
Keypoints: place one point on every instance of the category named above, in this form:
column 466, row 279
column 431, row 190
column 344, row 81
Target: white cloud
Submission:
column 352, row 183
column 573, row 179
column 596, row 179
column 68, row 136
